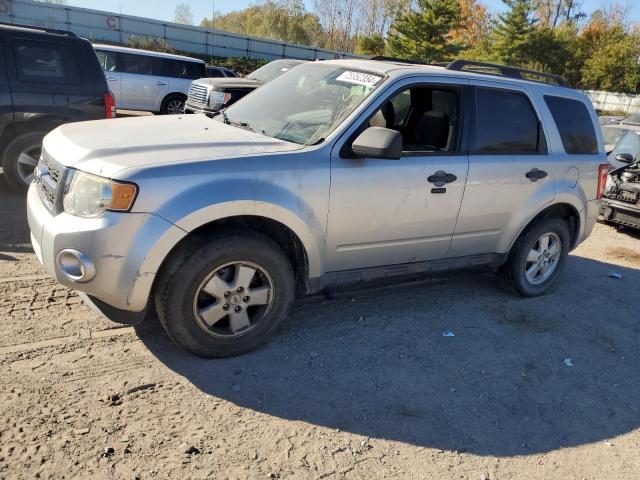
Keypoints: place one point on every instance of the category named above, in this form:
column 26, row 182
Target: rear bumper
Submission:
column 125, row 249
column 620, row 213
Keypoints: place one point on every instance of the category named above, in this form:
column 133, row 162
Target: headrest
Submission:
column 384, row 117
column 433, row 129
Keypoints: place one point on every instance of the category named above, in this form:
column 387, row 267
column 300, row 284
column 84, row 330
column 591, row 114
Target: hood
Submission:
column 220, row 84
column 106, row 147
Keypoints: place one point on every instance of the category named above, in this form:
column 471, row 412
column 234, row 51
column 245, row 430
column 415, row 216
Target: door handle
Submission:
column 534, row 174
column 440, row 178
column 160, row 84
column 111, row 79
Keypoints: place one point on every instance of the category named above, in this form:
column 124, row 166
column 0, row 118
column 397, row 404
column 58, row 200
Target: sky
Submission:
column 163, row 9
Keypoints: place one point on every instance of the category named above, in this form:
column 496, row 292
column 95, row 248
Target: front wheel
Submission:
column 20, row 159
column 537, row 258
column 225, row 296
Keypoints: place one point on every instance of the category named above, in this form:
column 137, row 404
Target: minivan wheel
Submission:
column 226, row 295
column 537, row 259
column 20, row 159
column 173, row 105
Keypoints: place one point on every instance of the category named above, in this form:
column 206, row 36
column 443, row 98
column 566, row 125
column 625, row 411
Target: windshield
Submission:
column 306, row 104
column 633, row 119
column 629, row 143
column 272, row 70
column 612, row 135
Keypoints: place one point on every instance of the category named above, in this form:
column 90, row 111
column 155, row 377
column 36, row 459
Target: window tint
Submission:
column 107, row 60
column 214, row 73
column 505, row 123
column 129, row 63
column 46, row 62
column 574, row 124
column 183, row 69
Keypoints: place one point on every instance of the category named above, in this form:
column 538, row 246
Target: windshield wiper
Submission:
column 245, row 125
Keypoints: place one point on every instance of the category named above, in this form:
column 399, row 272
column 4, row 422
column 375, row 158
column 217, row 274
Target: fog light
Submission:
column 76, row 266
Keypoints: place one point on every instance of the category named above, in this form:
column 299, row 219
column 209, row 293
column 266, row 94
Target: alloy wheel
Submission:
column 543, row 258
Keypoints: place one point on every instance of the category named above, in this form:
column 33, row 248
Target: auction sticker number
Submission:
column 359, row 78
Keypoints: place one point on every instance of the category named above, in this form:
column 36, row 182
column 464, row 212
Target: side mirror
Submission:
column 624, row 158
column 378, row 142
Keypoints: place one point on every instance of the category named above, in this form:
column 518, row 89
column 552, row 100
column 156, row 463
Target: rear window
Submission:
column 46, row 62
column 574, row 124
column 505, row 123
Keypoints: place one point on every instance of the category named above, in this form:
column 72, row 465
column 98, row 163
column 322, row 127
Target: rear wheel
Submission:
column 20, row 159
column 226, row 296
column 537, row 258
column 173, row 105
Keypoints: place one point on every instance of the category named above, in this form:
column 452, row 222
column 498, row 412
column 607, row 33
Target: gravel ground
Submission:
column 364, row 386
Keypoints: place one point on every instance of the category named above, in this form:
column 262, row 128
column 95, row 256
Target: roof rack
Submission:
column 505, row 71
column 42, row 29
column 382, row 58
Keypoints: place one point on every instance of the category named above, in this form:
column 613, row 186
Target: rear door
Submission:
column 140, row 88
column 511, row 173
column 6, row 104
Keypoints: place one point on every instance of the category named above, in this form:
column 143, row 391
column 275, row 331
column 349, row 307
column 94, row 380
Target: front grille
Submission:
column 198, row 94
column 50, row 179
column 626, row 196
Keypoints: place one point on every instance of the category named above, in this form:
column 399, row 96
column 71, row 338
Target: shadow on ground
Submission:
column 14, row 229
column 376, row 364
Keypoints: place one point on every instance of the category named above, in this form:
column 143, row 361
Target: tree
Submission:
column 182, row 14
column 371, row 46
column 473, row 30
column 512, row 31
column 425, row 33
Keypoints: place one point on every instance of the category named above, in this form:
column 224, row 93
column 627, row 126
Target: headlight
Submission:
column 89, row 195
column 217, row 98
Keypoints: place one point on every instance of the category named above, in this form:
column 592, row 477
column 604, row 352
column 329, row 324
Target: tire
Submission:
column 20, row 158
column 513, row 275
column 191, row 287
column 173, row 105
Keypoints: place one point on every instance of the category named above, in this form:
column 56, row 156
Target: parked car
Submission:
column 209, row 95
column 621, row 202
column 627, row 148
column 148, row 81
column 47, row 78
column 219, row 72
column 614, row 132
column 337, row 172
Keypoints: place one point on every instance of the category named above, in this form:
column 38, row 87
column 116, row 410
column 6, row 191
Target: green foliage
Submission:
column 242, row 65
column 287, row 21
column 424, row 33
column 371, row 46
column 512, row 32
column 150, row 43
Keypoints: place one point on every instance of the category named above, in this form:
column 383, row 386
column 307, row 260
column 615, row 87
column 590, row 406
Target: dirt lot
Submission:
column 364, row 386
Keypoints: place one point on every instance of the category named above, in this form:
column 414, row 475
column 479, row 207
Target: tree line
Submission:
column 598, row 51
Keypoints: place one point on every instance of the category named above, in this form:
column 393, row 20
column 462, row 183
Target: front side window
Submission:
column 574, row 125
column 129, row 63
column 505, row 123
column 304, row 105
column 426, row 117
column 46, row 62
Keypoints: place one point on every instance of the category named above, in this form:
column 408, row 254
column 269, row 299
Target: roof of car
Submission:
column 151, row 53
column 385, row 67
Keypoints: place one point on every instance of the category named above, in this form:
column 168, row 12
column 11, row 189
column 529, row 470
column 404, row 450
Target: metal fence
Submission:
column 116, row 28
column 614, row 102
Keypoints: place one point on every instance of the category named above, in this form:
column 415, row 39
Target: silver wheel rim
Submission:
column 175, row 107
column 543, row 258
column 233, row 299
column 27, row 162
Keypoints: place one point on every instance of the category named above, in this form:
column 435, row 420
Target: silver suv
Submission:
column 337, row 172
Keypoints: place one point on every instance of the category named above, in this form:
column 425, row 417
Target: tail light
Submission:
column 603, row 173
column 109, row 105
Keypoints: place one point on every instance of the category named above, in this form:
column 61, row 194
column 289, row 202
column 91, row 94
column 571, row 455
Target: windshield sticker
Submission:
column 359, row 78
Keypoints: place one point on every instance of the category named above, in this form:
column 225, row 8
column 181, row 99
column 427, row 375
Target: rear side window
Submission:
column 46, row 62
column 574, row 124
column 505, row 123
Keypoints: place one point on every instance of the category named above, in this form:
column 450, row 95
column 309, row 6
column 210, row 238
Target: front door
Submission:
column 389, row 212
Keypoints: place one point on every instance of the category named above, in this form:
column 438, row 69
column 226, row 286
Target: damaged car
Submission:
column 621, row 202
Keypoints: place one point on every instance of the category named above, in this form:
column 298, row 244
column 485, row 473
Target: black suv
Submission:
column 47, row 78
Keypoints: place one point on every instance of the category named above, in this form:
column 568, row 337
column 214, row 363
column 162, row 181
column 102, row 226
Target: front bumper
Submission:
column 126, row 249
column 190, row 108
column 620, row 213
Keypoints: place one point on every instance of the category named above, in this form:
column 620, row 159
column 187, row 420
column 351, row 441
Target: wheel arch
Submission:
column 284, row 236
column 168, row 95
column 563, row 210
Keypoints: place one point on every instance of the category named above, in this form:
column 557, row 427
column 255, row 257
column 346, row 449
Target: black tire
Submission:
column 168, row 103
column 182, row 278
column 513, row 276
column 15, row 170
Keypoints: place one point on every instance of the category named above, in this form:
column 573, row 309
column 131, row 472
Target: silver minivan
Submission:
column 148, row 81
